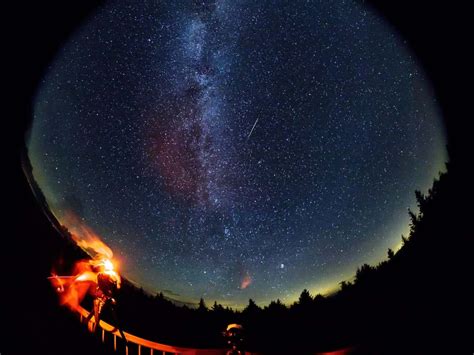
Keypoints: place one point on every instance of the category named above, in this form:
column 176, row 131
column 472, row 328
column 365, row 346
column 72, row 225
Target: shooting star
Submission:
column 253, row 128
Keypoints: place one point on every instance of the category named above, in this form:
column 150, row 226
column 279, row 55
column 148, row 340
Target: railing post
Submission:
column 151, row 351
column 103, row 335
column 139, row 349
column 115, row 342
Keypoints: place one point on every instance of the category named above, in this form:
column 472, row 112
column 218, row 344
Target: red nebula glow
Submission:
column 177, row 162
column 246, row 281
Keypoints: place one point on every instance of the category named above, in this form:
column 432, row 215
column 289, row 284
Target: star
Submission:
column 275, row 148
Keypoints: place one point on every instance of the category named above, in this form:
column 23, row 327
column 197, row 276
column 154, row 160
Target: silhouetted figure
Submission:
column 108, row 283
column 234, row 336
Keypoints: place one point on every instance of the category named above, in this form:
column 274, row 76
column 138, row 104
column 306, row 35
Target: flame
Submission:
column 73, row 289
column 85, row 237
column 108, row 266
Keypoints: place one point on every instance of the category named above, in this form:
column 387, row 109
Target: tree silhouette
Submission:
column 251, row 308
column 305, row 298
column 217, row 307
column 404, row 240
column 202, row 306
column 276, row 307
column 414, row 220
column 345, row 285
column 363, row 273
column 390, row 254
column 319, row 298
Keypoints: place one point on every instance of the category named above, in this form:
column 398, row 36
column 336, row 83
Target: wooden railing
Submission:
column 147, row 347
column 144, row 346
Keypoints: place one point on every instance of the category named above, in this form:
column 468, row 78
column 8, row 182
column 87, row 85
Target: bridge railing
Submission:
column 144, row 346
column 147, row 347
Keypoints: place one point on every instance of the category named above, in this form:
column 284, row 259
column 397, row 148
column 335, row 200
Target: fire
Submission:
column 85, row 237
column 108, row 266
column 73, row 289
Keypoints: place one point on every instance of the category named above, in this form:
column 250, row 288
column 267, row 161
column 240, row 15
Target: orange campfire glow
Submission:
column 85, row 237
column 73, row 289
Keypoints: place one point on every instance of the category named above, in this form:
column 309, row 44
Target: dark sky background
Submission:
column 229, row 150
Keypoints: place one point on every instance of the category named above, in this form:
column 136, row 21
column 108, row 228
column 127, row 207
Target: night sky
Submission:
column 237, row 149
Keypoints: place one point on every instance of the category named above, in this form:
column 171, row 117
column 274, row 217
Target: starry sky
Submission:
column 235, row 149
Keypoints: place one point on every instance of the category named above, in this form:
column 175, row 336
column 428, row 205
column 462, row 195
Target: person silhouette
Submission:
column 108, row 284
column 234, row 337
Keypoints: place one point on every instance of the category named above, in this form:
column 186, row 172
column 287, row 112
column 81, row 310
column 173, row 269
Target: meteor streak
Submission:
column 252, row 128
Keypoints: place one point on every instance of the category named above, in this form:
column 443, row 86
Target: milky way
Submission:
column 233, row 150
